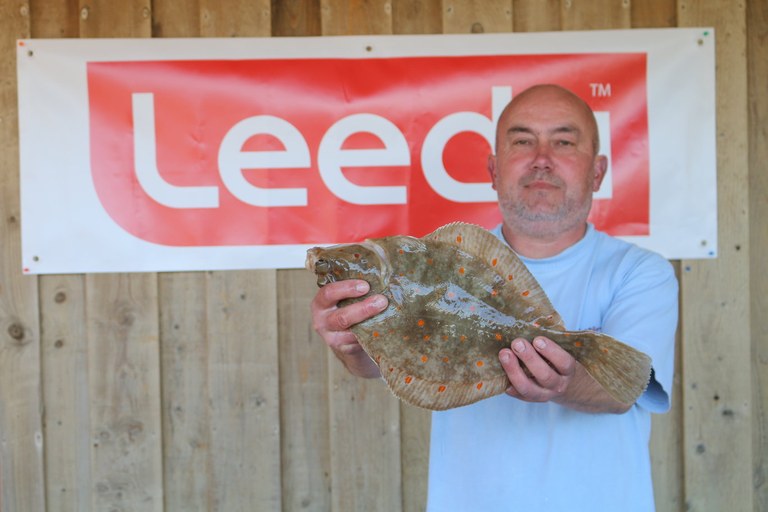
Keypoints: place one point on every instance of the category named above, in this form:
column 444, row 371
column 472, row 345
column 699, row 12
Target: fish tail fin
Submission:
column 623, row 371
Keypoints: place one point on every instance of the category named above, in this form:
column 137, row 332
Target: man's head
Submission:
column 546, row 165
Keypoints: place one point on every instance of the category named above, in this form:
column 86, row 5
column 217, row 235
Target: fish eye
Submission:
column 322, row 265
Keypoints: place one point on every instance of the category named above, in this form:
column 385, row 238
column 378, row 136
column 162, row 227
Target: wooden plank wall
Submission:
column 209, row 390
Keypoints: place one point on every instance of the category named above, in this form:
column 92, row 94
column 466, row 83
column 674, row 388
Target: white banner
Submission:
column 208, row 154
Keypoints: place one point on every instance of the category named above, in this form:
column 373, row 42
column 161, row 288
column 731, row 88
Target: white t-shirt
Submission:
column 503, row 454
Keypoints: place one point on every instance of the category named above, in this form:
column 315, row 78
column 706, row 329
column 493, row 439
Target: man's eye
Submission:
column 565, row 143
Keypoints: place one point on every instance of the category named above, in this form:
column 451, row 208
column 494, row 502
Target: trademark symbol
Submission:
column 600, row 90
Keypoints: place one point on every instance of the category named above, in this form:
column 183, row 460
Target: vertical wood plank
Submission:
column 303, row 373
column 654, row 13
column 536, row 15
column 306, row 452
column 242, row 340
column 414, row 17
column 477, row 16
column 54, row 19
column 298, row 18
column 595, row 14
column 716, row 320
column 66, row 393
column 21, row 437
column 233, row 18
column 63, row 340
column 364, row 416
column 757, row 50
column 244, row 395
column 123, row 339
column 187, row 459
column 415, row 426
column 124, row 384
column 417, row 17
column 342, row 18
column 175, row 19
column 104, row 18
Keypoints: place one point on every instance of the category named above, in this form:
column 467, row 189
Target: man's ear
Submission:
column 600, row 168
column 492, row 169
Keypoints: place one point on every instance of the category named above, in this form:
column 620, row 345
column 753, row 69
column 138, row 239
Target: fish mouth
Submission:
column 315, row 263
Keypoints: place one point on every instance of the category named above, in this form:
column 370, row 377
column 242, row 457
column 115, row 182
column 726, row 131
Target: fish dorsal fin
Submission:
column 522, row 295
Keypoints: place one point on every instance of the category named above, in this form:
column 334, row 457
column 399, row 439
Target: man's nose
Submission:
column 542, row 159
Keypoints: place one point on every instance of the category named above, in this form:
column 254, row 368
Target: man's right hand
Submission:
column 332, row 322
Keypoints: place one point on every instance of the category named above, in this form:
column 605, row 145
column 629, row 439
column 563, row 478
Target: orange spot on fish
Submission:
column 461, row 270
column 424, row 359
column 401, row 251
column 462, row 338
column 357, row 256
column 445, row 337
column 375, row 334
column 498, row 336
column 430, row 261
column 441, row 389
column 426, row 337
column 458, row 239
column 391, row 370
column 408, row 379
column 494, row 293
column 479, row 385
column 445, row 359
column 605, row 351
column 526, row 293
column 479, row 364
column 420, row 322
column 510, row 277
column 578, row 344
column 494, row 262
column 451, row 295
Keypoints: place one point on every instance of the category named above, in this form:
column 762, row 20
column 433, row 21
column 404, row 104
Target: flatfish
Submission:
column 456, row 297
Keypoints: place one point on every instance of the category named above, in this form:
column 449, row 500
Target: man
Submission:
column 556, row 441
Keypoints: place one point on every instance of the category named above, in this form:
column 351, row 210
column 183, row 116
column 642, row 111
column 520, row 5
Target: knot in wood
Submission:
column 16, row 331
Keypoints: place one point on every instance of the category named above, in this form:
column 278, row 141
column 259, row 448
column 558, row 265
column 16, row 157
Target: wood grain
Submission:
column 716, row 311
column 477, row 16
column 757, row 50
column 209, row 391
column 21, row 435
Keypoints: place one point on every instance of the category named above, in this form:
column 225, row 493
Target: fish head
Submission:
column 348, row 261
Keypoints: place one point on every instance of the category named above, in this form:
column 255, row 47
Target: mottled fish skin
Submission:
column 456, row 297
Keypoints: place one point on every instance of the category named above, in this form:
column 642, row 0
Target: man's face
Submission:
column 545, row 169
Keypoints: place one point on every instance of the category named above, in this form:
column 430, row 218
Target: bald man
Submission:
column 556, row 440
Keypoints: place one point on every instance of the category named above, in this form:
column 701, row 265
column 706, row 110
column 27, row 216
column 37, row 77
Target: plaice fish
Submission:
column 456, row 297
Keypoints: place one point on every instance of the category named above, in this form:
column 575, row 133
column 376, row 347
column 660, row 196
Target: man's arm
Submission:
column 332, row 323
column 554, row 375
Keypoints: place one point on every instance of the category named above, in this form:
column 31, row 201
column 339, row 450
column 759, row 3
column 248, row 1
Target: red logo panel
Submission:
column 304, row 151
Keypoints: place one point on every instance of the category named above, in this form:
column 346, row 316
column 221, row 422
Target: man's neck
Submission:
column 537, row 247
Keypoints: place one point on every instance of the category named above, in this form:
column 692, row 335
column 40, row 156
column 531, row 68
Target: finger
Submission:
column 530, row 358
column 558, row 358
column 329, row 295
column 341, row 319
column 521, row 385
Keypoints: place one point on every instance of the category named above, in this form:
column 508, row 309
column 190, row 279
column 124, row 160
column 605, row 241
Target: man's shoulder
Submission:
column 629, row 257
